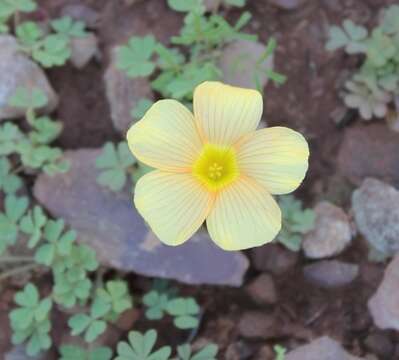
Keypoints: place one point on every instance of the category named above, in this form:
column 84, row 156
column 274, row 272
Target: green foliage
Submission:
column 52, row 49
column 72, row 352
column 9, row 8
column 115, row 163
column 135, row 57
column 156, row 300
column 141, row 347
column 176, row 71
column 185, row 312
column 296, row 222
column 115, row 293
column 28, row 98
column 377, row 82
column 14, row 209
column 209, row 352
column 32, row 224
column 9, row 182
column 92, row 325
column 33, row 148
column 58, row 244
column 280, row 352
column 31, row 320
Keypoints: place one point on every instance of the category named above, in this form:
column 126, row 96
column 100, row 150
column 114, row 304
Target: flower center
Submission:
column 216, row 166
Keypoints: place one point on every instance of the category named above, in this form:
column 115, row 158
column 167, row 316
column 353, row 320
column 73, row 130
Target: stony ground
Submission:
column 326, row 302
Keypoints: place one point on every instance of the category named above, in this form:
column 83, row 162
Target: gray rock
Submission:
column 17, row 70
column 384, row 305
column 123, row 94
column 239, row 60
column 376, row 211
column 110, row 224
column 288, row 4
column 370, row 151
column 323, row 348
column 83, row 50
column 331, row 273
column 273, row 258
column 262, row 290
column 331, row 234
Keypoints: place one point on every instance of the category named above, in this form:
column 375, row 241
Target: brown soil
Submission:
column 308, row 102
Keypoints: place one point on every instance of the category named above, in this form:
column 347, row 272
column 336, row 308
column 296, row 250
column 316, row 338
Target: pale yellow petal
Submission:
column 225, row 113
column 275, row 157
column 166, row 138
column 174, row 205
column 244, row 216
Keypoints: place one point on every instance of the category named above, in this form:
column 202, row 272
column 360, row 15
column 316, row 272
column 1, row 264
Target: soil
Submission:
column 308, row 102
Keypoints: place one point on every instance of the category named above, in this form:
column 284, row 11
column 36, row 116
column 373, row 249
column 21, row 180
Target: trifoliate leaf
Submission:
column 209, row 352
column 68, row 27
column 135, row 57
column 45, row 130
column 9, row 182
column 55, row 51
column 142, row 347
column 9, row 7
column 72, row 352
column 29, row 33
column 28, row 98
column 32, row 224
column 10, row 135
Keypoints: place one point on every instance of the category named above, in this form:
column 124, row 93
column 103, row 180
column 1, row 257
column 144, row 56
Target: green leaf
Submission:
column 350, row 36
column 28, row 98
column 10, row 135
column 45, row 254
column 28, row 297
column 45, row 130
column 280, row 352
column 238, row 3
column 135, row 57
column 79, row 323
column 29, row 33
column 186, row 5
column 54, row 51
column 114, row 163
column 209, row 352
column 32, row 224
column 9, row 7
column 72, row 352
column 15, row 207
column 69, row 28
column 390, row 21
column 95, row 329
column 141, row 347
column 9, row 183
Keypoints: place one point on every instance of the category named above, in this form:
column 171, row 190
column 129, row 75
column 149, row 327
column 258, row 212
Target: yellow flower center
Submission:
column 216, row 166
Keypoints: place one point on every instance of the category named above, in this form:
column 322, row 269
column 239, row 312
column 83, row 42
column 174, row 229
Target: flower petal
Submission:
column 225, row 113
column 166, row 138
column 244, row 216
column 275, row 157
column 174, row 205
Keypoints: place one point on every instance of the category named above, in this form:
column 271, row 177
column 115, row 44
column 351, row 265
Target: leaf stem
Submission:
column 15, row 259
column 18, row 270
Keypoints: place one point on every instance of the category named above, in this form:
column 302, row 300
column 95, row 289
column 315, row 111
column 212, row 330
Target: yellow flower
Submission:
column 214, row 166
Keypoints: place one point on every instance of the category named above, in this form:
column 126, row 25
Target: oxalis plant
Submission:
column 174, row 71
column 376, row 85
column 49, row 47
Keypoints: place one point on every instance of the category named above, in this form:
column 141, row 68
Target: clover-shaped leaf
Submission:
column 45, row 130
column 117, row 294
column 296, row 222
column 114, row 163
column 350, row 36
column 54, row 51
column 9, row 182
column 68, row 27
column 9, row 7
column 59, row 243
column 209, row 352
column 380, row 48
column 390, row 21
column 186, row 5
column 185, row 312
column 67, row 292
column 30, row 321
column 135, row 57
column 141, row 347
column 32, row 224
column 72, row 352
column 91, row 325
column 156, row 304
column 28, row 98
column 14, row 209
column 10, row 135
